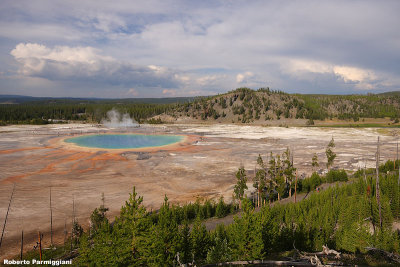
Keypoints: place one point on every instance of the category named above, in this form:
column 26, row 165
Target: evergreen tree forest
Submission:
column 43, row 113
column 344, row 218
column 242, row 105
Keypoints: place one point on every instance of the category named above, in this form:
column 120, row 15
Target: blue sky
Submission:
column 183, row 48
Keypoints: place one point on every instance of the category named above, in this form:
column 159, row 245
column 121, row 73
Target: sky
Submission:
column 129, row 49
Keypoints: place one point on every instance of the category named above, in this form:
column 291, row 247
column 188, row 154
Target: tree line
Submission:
column 43, row 113
column 344, row 218
column 247, row 104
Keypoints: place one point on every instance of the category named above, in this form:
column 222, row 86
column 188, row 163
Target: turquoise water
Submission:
column 118, row 141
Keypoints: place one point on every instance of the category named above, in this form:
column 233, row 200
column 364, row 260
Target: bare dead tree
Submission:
column 377, row 193
column 73, row 219
column 39, row 244
column 397, row 159
column 295, row 189
column 22, row 243
column 65, row 232
column 397, row 155
column 365, row 171
column 51, row 222
column 5, row 220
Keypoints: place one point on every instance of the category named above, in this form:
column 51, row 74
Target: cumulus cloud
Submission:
column 300, row 66
column 362, row 79
column 243, row 77
column 132, row 92
column 87, row 64
column 352, row 74
column 169, row 92
column 156, row 45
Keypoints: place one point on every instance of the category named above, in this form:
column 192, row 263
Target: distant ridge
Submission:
column 19, row 99
column 394, row 93
column 263, row 106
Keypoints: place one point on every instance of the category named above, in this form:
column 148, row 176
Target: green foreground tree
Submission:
column 330, row 155
column 241, row 186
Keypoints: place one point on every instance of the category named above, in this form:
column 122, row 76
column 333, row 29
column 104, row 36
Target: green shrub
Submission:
column 310, row 183
column 388, row 166
column 336, row 175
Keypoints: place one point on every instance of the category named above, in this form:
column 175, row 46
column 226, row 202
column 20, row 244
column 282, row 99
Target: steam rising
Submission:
column 115, row 120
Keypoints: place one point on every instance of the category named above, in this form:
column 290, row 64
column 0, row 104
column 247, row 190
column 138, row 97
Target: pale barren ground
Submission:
column 30, row 158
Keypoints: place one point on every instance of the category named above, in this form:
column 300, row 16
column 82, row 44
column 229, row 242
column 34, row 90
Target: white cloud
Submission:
column 160, row 44
column 169, row 92
column 352, row 74
column 132, row 92
column 209, row 79
column 35, row 59
column 183, row 78
column 359, row 79
column 301, row 66
column 243, row 77
column 87, row 64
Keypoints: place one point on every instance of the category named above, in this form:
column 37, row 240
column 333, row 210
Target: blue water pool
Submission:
column 121, row 141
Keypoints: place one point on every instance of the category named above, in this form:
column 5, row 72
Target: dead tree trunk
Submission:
column 40, row 244
column 295, row 189
column 22, row 244
column 65, row 233
column 51, row 222
column 365, row 172
column 397, row 159
column 5, row 220
column 377, row 193
column 291, row 181
column 397, row 155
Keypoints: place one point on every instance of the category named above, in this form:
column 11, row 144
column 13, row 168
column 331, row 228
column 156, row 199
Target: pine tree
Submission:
column 246, row 235
column 260, row 180
column 165, row 237
column 221, row 208
column 272, row 172
column 279, row 178
column 200, row 241
column 219, row 252
column 240, row 185
column 330, row 155
column 289, row 169
column 98, row 217
column 185, row 249
column 131, row 231
column 314, row 162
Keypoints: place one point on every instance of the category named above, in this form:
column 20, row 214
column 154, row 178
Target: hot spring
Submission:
column 124, row 141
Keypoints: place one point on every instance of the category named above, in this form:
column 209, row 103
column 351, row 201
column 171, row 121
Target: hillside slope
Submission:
column 265, row 106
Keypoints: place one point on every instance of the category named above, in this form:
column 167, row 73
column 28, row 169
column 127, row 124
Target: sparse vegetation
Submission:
column 265, row 104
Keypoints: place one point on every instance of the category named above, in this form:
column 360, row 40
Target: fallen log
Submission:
column 388, row 255
column 328, row 251
column 265, row 263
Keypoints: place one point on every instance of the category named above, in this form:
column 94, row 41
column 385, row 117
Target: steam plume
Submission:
column 115, row 120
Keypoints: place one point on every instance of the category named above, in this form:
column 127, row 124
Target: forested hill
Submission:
column 245, row 105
